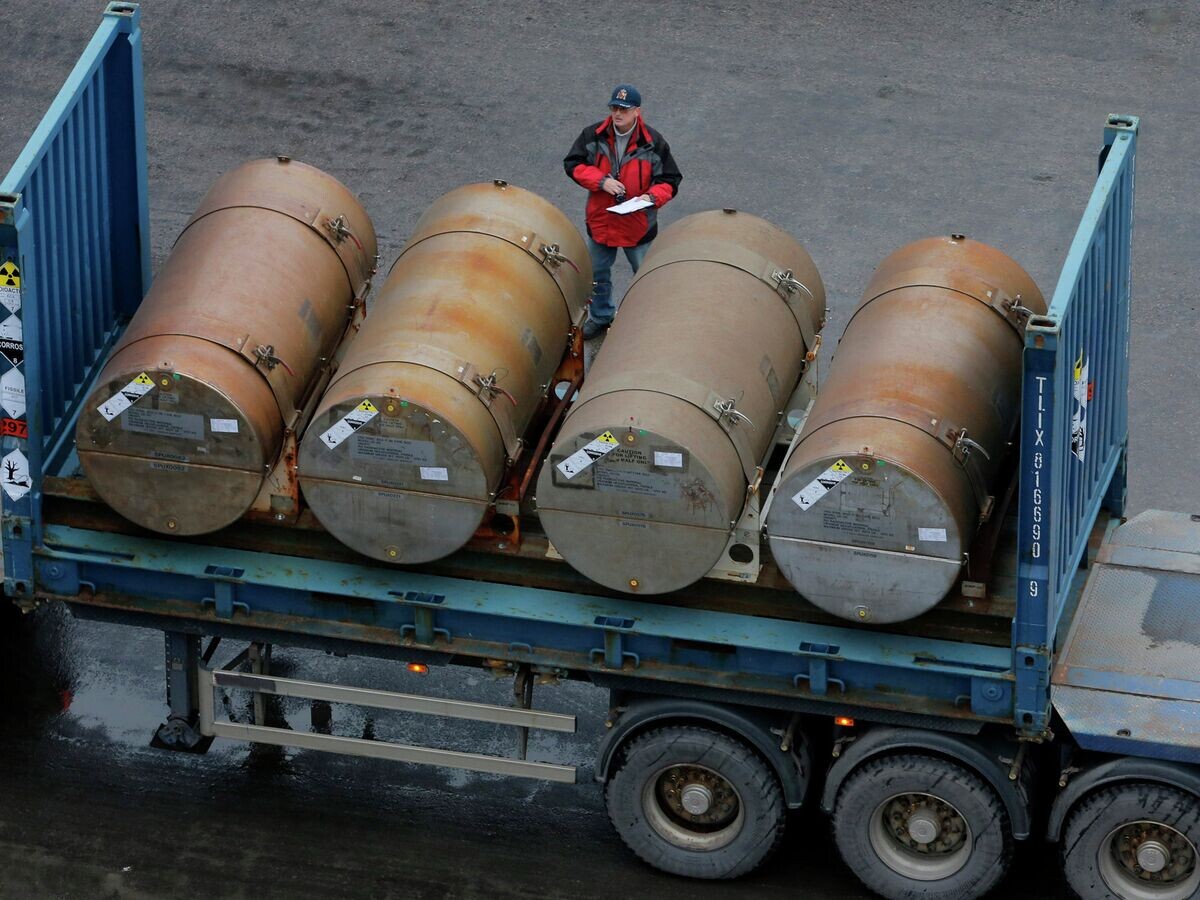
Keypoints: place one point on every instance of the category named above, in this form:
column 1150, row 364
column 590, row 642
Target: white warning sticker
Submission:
column 434, row 473
column 125, row 397
column 668, row 460
column 10, row 298
column 587, row 454
column 932, row 534
column 15, row 478
column 349, row 423
column 821, row 485
column 223, row 426
column 12, row 393
column 1081, row 393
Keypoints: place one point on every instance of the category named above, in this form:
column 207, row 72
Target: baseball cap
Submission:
column 625, row 95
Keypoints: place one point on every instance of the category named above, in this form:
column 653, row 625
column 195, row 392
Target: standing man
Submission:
column 617, row 159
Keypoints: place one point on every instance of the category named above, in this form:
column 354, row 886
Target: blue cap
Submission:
column 625, row 95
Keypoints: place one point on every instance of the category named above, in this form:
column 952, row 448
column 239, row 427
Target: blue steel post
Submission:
column 74, row 221
column 1074, row 426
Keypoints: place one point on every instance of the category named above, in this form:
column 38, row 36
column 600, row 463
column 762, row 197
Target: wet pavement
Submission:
column 89, row 810
column 857, row 126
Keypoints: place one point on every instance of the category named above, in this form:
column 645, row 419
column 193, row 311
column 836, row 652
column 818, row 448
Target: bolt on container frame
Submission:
column 962, row 714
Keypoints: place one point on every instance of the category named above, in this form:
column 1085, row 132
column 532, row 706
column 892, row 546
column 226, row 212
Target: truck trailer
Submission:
column 1053, row 695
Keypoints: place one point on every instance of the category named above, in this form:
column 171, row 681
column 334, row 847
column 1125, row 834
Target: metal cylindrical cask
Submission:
column 898, row 460
column 190, row 411
column 652, row 464
column 412, row 436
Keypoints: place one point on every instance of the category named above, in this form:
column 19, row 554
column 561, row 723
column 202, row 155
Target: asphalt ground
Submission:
column 856, row 126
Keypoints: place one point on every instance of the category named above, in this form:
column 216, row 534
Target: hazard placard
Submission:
column 10, row 275
column 587, row 454
column 10, row 286
column 806, row 497
column 349, row 423
column 125, row 397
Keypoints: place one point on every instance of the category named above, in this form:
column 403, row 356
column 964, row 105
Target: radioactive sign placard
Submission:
column 10, row 286
column 349, row 423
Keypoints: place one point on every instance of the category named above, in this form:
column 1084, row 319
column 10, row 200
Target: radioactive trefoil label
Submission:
column 126, row 397
column 808, row 496
column 14, row 475
column 587, row 454
column 349, row 423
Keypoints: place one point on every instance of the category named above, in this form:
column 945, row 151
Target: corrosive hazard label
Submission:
column 821, row 485
column 587, row 454
column 349, row 423
column 125, row 397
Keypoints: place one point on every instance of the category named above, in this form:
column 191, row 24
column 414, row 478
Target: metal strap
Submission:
column 1006, row 307
column 547, row 253
column 700, row 396
column 942, row 430
column 244, row 345
column 793, row 292
column 467, row 374
column 349, row 251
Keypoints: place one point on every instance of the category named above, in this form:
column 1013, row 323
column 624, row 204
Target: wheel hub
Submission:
column 924, row 826
column 696, row 799
column 1153, row 854
column 693, row 807
column 920, row 836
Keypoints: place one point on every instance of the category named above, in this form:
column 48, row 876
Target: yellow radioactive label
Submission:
column 143, row 379
column 367, row 406
column 1079, row 366
column 607, row 438
column 840, row 466
column 10, row 275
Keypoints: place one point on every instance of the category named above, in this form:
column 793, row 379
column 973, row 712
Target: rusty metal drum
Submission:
column 651, row 468
column 190, row 411
column 897, row 463
column 413, row 435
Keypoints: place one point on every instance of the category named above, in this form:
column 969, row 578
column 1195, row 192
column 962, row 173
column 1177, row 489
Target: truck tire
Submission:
column 1134, row 841
column 912, row 826
column 696, row 802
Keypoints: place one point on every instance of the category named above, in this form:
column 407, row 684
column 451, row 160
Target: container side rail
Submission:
column 74, row 255
column 1074, row 419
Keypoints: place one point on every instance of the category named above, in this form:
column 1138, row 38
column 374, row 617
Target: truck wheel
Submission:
column 1134, row 842
column 916, row 826
column 696, row 802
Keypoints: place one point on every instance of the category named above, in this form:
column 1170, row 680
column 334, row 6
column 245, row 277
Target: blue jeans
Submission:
column 602, row 308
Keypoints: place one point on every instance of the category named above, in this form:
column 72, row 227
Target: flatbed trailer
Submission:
column 1061, row 679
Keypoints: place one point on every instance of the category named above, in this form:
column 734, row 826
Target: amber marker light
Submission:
column 844, row 721
column 418, row 668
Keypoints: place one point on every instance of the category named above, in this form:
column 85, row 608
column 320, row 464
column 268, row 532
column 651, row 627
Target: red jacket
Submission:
column 646, row 168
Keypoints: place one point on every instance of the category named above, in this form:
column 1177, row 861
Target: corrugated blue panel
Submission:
column 1074, row 425
column 74, row 219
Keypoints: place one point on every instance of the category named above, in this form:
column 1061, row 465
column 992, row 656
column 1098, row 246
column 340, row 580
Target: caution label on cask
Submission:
column 808, row 496
column 587, row 454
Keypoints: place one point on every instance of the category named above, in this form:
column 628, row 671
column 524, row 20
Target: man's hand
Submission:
column 610, row 185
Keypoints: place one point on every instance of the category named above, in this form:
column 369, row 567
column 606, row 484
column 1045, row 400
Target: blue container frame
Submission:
column 75, row 214
column 1074, row 415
